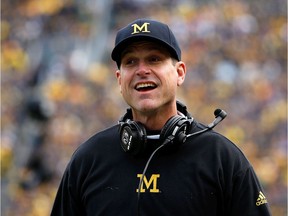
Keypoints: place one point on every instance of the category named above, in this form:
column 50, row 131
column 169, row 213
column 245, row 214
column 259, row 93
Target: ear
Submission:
column 118, row 76
column 181, row 70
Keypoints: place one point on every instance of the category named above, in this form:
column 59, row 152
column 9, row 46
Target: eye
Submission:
column 129, row 61
column 154, row 59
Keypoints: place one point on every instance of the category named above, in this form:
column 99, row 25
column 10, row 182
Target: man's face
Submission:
column 148, row 77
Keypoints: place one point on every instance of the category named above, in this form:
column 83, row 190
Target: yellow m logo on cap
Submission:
column 138, row 29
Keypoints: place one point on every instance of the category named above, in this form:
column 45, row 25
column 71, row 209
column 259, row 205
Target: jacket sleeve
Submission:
column 66, row 202
column 247, row 195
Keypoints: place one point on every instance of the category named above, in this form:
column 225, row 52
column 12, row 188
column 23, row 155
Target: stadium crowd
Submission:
column 59, row 88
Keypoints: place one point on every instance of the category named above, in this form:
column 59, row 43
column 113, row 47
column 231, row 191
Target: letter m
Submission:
column 152, row 182
column 138, row 29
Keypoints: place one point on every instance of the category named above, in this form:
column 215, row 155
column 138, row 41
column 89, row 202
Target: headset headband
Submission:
column 180, row 108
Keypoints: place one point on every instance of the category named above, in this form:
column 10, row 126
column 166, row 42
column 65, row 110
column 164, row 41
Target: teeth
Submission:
column 145, row 85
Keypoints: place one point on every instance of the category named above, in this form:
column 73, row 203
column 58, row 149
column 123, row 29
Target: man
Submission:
column 158, row 160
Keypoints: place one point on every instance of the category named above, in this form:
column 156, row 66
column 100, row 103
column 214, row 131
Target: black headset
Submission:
column 133, row 136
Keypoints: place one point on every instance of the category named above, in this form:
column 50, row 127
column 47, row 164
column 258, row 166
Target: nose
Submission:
column 143, row 68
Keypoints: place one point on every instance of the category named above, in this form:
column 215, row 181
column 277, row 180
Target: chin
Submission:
column 145, row 105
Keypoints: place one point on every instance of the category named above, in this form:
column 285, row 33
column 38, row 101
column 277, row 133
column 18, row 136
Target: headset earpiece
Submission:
column 175, row 130
column 133, row 137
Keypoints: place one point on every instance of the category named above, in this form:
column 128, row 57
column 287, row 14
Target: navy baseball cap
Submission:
column 145, row 30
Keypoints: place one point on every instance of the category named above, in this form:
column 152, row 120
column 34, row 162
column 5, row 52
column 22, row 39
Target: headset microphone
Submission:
column 219, row 116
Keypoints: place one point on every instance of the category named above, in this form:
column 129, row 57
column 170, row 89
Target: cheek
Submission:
column 124, row 84
column 173, row 80
column 119, row 84
column 123, row 81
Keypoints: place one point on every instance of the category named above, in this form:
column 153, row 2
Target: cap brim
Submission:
column 119, row 48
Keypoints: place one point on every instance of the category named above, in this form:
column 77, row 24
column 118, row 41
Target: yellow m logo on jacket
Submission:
column 150, row 185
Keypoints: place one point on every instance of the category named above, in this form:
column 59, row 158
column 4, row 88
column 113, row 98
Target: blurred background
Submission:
column 58, row 86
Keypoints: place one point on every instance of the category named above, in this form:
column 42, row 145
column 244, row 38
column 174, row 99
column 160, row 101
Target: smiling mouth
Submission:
column 145, row 86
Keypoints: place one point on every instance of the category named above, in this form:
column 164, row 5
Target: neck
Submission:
column 156, row 119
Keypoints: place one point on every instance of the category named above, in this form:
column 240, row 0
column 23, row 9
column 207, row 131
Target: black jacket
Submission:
column 206, row 176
